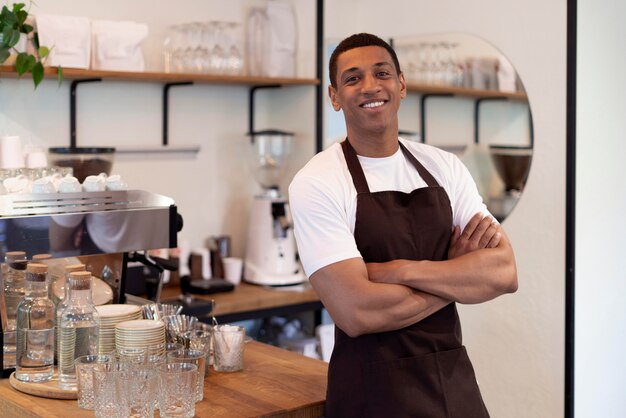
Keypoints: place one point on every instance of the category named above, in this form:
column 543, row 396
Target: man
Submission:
column 378, row 221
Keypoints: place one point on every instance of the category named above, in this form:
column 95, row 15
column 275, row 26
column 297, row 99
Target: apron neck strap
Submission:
column 425, row 174
column 354, row 166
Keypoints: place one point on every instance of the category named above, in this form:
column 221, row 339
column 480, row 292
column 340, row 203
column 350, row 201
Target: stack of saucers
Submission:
column 140, row 333
column 111, row 315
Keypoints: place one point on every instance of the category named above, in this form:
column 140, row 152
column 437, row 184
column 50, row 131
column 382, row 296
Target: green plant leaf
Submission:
column 10, row 36
column 5, row 52
column 38, row 73
column 43, row 52
column 27, row 28
column 60, row 75
column 21, row 16
column 18, row 6
column 8, row 17
column 21, row 63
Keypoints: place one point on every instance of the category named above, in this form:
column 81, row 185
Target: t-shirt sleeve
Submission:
column 466, row 199
column 321, row 225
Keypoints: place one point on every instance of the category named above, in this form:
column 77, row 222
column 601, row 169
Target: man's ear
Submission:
column 402, row 85
column 332, row 93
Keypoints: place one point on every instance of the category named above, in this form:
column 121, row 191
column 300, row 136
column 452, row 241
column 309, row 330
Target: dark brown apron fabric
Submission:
column 422, row 370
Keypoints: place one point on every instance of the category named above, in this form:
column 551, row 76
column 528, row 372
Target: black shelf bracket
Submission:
column 477, row 104
column 166, row 107
column 423, row 99
column 253, row 90
column 73, row 86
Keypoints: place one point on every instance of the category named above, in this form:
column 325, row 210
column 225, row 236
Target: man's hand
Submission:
column 480, row 232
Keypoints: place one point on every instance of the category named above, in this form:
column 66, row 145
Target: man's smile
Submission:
column 373, row 104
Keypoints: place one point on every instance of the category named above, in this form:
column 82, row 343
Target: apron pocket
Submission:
column 460, row 385
column 408, row 387
column 437, row 385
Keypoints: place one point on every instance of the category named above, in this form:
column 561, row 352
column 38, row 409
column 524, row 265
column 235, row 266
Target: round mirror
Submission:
column 465, row 97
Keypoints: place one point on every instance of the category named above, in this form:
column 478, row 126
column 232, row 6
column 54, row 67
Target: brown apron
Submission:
column 422, row 370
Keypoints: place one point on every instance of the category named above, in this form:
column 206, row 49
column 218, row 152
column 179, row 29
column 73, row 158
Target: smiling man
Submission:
column 378, row 222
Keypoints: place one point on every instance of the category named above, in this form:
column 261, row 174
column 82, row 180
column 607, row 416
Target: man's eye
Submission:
column 351, row 79
column 383, row 74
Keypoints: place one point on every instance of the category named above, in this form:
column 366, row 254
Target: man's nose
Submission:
column 370, row 84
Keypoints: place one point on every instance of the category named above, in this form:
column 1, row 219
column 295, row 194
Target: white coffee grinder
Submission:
column 271, row 254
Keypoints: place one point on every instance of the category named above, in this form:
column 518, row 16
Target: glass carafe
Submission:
column 35, row 328
column 78, row 327
column 13, row 273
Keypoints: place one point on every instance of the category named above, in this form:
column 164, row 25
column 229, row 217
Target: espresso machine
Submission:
column 103, row 230
column 271, row 254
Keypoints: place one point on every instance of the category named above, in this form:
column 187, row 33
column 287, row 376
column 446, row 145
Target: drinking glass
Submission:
column 177, row 382
column 228, row 345
column 137, row 390
column 106, row 397
column 201, row 340
column 197, row 357
column 85, row 366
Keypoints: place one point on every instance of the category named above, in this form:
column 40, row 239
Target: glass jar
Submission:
column 35, row 328
column 13, row 273
column 78, row 327
column 62, row 303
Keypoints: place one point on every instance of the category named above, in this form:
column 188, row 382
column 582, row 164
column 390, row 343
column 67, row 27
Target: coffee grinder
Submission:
column 271, row 255
column 512, row 163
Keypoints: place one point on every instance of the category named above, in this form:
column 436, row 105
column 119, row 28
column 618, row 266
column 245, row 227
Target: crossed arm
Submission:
column 365, row 298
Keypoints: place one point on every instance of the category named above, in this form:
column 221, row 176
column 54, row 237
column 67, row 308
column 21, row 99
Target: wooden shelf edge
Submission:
column 147, row 76
column 465, row 92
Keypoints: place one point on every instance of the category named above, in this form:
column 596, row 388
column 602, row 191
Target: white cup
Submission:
column 43, row 185
column 116, row 182
column 233, row 267
column 94, row 184
column 36, row 159
column 70, row 184
column 11, row 154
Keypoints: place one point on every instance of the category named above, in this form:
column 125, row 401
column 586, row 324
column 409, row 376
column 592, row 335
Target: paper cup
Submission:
column 233, row 267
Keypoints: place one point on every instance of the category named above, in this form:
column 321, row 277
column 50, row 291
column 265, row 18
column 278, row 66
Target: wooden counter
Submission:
column 274, row 383
column 249, row 301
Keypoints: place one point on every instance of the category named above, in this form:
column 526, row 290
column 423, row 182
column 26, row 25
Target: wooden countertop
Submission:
column 274, row 383
column 250, row 297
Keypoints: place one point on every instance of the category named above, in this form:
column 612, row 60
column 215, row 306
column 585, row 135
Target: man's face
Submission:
column 369, row 90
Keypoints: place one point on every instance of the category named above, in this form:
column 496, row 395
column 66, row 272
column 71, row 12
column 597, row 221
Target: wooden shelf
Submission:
column 145, row 76
column 464, row 92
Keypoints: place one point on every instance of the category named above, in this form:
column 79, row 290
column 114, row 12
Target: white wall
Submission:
column 214, row 188
column 516, row 341
column 600, row 369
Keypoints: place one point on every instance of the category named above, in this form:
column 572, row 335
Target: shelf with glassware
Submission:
column 160, row 77
column 431, row 89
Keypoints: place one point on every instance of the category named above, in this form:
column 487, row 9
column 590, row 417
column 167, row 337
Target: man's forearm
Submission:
column 475, row 277
column 359, row 306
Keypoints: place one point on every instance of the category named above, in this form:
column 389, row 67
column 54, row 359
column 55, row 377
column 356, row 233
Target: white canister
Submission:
column 11, row 153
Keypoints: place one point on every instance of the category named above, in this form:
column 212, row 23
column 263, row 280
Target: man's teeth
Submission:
column 373, row 104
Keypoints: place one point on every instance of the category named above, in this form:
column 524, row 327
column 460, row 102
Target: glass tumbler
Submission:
column 176, row 390
column 197, row 357
column 137, row 390
column 228, row 344
column 85, row 366
column 201, row 340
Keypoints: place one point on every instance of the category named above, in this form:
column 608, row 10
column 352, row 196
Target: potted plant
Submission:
column 15, row 31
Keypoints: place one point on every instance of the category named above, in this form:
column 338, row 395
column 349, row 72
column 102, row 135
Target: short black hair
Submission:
column 358, row 40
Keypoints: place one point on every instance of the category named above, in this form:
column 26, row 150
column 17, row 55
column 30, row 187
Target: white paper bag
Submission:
column 68, row 37
column 117, row 45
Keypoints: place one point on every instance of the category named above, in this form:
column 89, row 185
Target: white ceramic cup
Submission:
column 11, row 153
column 233, row 267
column 70, row 184
column 94, row 184
column 36, row 159
column 44, row 185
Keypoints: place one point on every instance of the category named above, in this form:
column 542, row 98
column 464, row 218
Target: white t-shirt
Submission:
column 322, row 197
